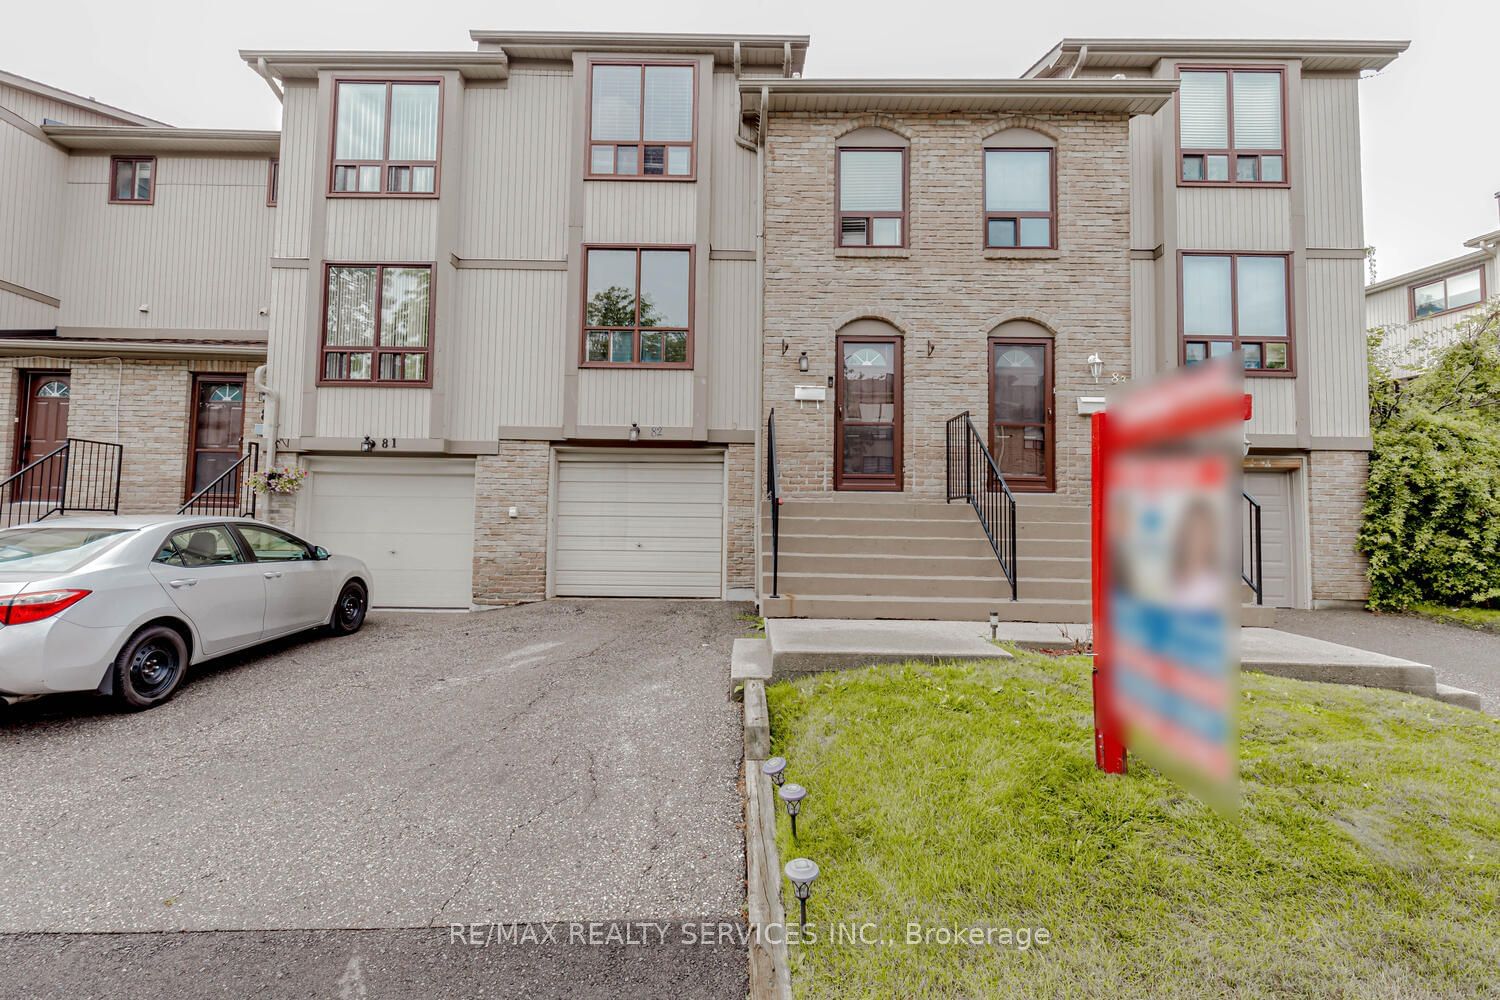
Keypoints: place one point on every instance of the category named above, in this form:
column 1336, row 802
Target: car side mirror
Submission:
column 320, row 553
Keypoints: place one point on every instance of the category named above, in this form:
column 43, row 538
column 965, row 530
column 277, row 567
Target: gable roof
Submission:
column 68, row 97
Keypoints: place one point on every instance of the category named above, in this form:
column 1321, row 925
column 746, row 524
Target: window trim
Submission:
column 984, row 194
column 375, row 350
column 583, row 318
column 640, row 144
column 1290, row 371
column 151, row 199
column 839, row 214
column 1411, row 293
column 273, row 180
column 386, row 163
column 1284, row 152
column 195, row 383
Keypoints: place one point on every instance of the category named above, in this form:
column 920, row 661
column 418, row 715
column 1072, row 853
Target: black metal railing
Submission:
column 79, row 476
column 1252, row 569
column 773, row 494
column 230, row 495
column 974, row 476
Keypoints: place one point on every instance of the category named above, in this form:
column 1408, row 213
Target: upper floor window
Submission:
column 132, row 180
column 638, row 308
column 385, row 138
column 1020, row 207
column 871, row 197
column 1237, row 302
column 1231, row 127
column 1455, row 291
column 641, row 120
column 273, row 181
column 377, row 324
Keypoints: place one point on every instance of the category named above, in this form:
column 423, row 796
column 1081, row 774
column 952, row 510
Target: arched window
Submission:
column 227, row 394
column 54, row 390
column 871, row 188
column 1020, row 190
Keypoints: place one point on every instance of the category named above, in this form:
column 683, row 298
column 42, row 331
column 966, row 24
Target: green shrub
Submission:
column 1432, row 517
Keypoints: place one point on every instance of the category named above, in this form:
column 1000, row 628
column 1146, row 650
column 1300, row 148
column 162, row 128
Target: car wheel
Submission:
column 349, row 610
column 150, row 667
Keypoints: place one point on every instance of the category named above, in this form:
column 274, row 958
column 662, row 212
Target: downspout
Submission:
column 272, row 402
column 760, row 326
column 1083, row 54
column 264, row 72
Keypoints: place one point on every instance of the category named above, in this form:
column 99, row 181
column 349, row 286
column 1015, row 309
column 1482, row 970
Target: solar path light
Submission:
column 802, row 872
column 775, row 769
column 793, row 795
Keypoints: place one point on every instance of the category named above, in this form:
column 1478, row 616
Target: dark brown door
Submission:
column 867, row 414
column 218, row 427
column 1022, row 425
column 44, row 429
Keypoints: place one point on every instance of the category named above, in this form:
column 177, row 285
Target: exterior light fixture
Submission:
column 775, row 769
column 635, row 433
column 793, row 795
column 930, row 348
column 802, row 362
column 784, row 345
column 368, row 444
column 1096, row 365
column 802, row 872
column 994, row 625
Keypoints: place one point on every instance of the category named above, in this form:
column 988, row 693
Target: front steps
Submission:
column 872, row 556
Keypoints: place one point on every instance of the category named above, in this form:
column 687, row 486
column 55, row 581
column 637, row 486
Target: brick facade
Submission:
column 146, row 405
column 510, row 554
column 739, row 533
column 1336, row 497
column 945, row 290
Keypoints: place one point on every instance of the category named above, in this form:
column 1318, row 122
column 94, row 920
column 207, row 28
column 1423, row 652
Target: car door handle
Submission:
column 179, row 584
column 272, row 576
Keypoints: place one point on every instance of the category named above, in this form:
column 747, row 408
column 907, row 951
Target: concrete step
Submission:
column 800, row 647
column 901, row 508
column 867, row 527
column 891, row 545
column 1037, row 548
column 975, row 587
column 749, row 661
column 980, row 561
column 1257, row 616
column 1459, row 697
column 866, row 608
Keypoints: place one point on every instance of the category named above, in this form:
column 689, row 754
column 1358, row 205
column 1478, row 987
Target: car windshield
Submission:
column 53, row 550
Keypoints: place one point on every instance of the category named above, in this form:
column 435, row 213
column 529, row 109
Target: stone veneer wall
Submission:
column 1336, row 498
column 146, row 405
column 945, row 289
column 739, row 552
column 510, row 554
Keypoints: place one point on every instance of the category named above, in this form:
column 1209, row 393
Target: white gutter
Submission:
column 269, row 418
column 265, row 74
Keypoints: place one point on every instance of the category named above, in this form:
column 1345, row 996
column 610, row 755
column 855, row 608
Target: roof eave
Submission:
column 130, row 139
column 1356, row 54
column 307, row 64
column 1430, row 272
column 1122, row 96
column 530, row 44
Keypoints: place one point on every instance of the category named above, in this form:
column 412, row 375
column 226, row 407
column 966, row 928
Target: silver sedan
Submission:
column 123, row 605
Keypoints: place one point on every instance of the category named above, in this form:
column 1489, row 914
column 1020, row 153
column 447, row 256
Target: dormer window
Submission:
column 642, row 120
column 1231, row 127
column 385, row 138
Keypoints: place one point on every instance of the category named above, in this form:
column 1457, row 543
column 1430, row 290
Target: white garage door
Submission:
column 1273, row 491
column 639, row 528
column 410, row 520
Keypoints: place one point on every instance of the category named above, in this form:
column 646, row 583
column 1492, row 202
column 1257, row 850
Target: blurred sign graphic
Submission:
column 1166, row 551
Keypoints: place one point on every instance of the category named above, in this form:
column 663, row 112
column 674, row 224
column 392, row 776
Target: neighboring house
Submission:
column 1419, row 310
column 133, row 291
column 529, row 307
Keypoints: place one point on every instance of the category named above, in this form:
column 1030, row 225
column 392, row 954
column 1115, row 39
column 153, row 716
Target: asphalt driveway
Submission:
column 561, row 761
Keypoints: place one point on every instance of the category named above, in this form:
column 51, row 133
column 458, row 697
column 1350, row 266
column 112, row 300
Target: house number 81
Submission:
column 387, row 442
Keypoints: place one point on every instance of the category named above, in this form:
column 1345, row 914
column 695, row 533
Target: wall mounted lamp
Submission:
column 930, row 348
column 635, row 433
column 1096, row 365
column 802, row 364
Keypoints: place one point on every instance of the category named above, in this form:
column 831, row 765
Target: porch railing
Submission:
column 973, row 476
column 229, row 495
column 1252, row 568
column 79, row 476
column 773, row 494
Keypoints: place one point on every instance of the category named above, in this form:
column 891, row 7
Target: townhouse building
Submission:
column 553, row 315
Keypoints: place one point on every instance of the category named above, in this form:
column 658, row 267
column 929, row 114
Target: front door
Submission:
column 44, row 429
column 1021, row 413
column 867, row 414
column 218, row 426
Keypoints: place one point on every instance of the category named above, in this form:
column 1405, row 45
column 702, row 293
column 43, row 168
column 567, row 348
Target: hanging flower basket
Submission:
column 285, row 481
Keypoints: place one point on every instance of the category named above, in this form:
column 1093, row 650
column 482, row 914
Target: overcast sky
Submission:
column 1431, row 141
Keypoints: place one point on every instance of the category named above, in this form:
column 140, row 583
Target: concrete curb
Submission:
column 751, row 660
column 770, row 973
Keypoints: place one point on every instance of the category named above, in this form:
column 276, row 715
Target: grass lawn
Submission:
column 1485, row 619
column 1365, row 861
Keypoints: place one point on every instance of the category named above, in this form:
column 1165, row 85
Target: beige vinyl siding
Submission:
column 1234, row 219
column 197, row 257
column 287, row 348
column 382, row 229
column 735, row 358
column 17, row 312
column 639, row 528
column 302, row 180
column 1332, row 349
column 734, row 181
column 31, row 213
column 640, row 212
column 1330, row 162
column 516, row 169
column 1144, row 224
column 504, row 356
column 1143, row 355
column 34, row 108
column 375, row 411
column 621, row 397
column 1274, row 406
column 1391, row 308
